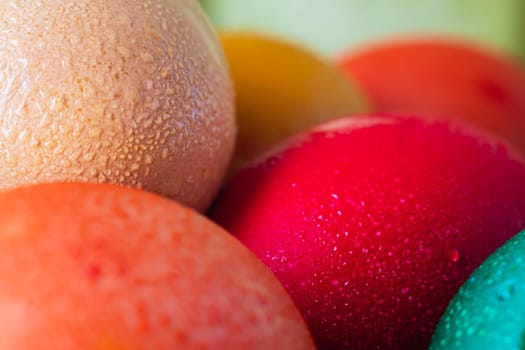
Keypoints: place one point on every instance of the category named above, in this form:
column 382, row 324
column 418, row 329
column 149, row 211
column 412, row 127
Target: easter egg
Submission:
column 372, row 223
column 280, row 90
column 489, row 310
column 132, row 92
column 332, row 26
column 99, row 267
column 444, row 78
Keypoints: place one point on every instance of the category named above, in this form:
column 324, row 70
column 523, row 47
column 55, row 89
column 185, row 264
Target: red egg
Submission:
column 450, row 79
column 373, row 223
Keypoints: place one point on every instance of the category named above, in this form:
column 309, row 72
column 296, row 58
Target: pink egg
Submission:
column 372, row 223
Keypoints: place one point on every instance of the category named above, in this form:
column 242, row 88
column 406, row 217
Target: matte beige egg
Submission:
column 132, row 92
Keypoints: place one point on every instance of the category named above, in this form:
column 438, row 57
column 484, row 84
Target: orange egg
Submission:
column 100, row 267
column 282, row 89
column 447, row 79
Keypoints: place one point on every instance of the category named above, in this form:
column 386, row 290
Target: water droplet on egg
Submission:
column 452, row 254
column 506, row 289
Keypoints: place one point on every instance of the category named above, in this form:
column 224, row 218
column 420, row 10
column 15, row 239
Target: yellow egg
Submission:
column 133, row 92
column 282, row 89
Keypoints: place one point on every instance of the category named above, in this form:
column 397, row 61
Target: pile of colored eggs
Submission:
column 369, row 202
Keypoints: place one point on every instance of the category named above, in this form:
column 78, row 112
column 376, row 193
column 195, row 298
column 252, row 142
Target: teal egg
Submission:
column 488, row 312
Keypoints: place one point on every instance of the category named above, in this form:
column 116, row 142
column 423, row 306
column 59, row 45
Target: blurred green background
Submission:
column 333, row 27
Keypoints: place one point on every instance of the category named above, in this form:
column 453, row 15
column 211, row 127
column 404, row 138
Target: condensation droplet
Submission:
column 506, row 289
column 452, row 254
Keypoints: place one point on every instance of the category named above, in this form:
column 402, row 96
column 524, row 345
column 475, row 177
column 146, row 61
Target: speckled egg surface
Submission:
column 121, row 91
column 489, row 310
column 101, row 267
column 373, row 223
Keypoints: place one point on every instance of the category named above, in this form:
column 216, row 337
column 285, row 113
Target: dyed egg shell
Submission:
column 99, row 267
column 489, row 310
column 282, row 89
column 135, row 93
column 444, row 78
column 373, row 223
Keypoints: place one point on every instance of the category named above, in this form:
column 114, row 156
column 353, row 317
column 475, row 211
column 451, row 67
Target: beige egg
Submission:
column 133, row 92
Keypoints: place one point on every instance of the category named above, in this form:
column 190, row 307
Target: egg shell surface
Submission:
column 488, row 312
column 101, row 267
column 373, row 223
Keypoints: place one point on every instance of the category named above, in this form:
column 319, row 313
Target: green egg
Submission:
column 488, row 312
